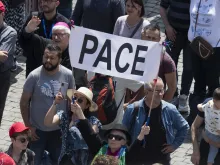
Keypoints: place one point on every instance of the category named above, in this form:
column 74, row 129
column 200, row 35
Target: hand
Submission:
column 167, row 149
column 195, row 158
column 34, row 136
column 95, row 128
column 77, row 110
column 125, row 106
column 58, row 98
column 3, row 56
column 33, row 24
column 171, row 33
column 145, row 130
column 209, row 141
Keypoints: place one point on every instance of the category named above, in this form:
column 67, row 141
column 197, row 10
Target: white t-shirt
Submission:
column 208, row 25
column 120, row 89
column 212, row 117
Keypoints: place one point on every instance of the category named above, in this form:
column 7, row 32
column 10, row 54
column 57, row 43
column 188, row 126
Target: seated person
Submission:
column 20, row 136
column 168, row 127
column 74, row 149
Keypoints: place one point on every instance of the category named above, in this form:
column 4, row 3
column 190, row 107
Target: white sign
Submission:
column 114, row 55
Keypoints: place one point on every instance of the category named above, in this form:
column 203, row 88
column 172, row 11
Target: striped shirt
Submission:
column 178, row 13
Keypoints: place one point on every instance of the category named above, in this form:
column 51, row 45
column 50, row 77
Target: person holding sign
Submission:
column 168, row 128
column 74, row 149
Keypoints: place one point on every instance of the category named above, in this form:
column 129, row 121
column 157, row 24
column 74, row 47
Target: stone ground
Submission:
column 12, row 111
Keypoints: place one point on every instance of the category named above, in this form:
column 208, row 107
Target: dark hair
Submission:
column 216, row 94
column 153, row 27
column 105, row 160
column 139, row 2
column 54, row 47
column 25, row 132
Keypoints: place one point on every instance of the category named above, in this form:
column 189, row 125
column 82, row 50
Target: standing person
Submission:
column 48, row 18
column 38, row 95
column 204, row 22
column 20, row 136
column 176, row 21
column 100, row 16
column 131, row 25
column 14, row 17
column 65, row 8
column 74, row 149
column 166, row 123
column 8, row 37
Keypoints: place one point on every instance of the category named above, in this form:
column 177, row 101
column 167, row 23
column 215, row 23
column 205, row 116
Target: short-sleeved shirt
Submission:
column 167, row 66
column 44, row 88
column 212, row 117
column 123, row 29
column 120, row 86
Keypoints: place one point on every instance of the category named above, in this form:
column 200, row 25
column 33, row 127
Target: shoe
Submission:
column 183, row 103
column 14, row 67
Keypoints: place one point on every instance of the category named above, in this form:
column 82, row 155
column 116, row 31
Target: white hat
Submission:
column 86, row 93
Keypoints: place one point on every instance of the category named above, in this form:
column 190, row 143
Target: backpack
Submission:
column 104, row 96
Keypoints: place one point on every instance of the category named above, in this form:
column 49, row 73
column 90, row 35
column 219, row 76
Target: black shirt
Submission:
column 99, row 15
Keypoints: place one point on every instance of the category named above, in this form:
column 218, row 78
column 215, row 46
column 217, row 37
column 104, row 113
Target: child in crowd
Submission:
column 6, row 159
column 20, row 136
column 212, row 122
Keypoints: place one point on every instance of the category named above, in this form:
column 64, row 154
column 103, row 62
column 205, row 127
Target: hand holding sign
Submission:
column 145, row 130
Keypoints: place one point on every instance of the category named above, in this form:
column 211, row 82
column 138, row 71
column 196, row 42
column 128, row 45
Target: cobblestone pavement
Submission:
column 12, row 111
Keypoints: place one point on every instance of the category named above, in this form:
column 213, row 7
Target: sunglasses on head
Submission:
column 116, row 137
column 79, row 100
column 24, row 140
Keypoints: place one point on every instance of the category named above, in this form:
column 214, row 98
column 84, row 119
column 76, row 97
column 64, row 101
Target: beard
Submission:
column 51, row 67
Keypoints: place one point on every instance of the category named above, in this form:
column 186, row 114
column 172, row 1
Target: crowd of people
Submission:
column 77, row 117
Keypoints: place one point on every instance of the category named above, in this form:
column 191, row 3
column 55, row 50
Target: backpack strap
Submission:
column 134, row 115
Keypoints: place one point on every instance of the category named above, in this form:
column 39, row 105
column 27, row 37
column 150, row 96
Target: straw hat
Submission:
column 86, row 93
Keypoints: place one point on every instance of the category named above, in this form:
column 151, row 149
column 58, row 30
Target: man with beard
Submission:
column 49, row 17
column 41, row 87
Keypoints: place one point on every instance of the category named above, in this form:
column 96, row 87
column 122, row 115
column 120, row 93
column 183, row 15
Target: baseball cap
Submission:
column 6, row 159
column 17, row 127
column 2, row 7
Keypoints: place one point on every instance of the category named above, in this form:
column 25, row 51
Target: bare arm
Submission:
column 199, row 107
column 51, row 118
column 24, row 107
column 194, row 135
column 163, row 14
column 171, row 84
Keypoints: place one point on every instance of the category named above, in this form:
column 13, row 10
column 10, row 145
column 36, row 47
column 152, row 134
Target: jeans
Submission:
column 50, row 141
column 67, row 12
column 204, row 151
column 213, row 151
column 206, row 73
column 4, row 88
column 182, row 43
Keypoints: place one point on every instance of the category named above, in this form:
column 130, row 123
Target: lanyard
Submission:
column 45, row 31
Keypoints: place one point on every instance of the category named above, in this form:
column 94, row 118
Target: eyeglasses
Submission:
column 116, row 137
column 156, row 91
column 24, row 140
column 59, row 35
column 79, row 100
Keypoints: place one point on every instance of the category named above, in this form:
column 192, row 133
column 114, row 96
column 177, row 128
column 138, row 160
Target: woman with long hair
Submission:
column 74, row 149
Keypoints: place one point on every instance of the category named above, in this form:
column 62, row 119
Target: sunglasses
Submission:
column 79, row 100
column 116, row 137
column 24, row 140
